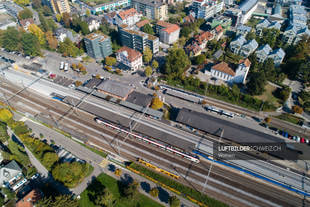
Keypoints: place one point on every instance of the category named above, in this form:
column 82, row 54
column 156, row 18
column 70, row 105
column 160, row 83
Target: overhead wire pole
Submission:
column 131, row 128
column 209, row 172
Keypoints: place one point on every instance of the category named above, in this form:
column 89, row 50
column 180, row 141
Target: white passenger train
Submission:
column 149, row 140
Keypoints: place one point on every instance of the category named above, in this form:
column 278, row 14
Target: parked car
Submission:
column 61, row 65
column 66, row 67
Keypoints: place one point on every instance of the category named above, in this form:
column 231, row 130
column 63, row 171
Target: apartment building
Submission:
column 138, row 40
column 98, row 46
column 168, row 33
column 59, row 6
column 206, row 9
column 128, row 16
column 152, row 9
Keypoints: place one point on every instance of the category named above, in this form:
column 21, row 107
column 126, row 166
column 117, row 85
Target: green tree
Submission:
column 174, row 201
column 58, row 201
column 155, row 64
column 25, row 14
column 176, row 62
column 47, row 11
column 148, row 29
column 110, row 61
column 185, row 32
column 36, row 4
column 104, row 198
column 70, row 174
column 131, row 191
column 154, row 192
column 256, row 83
column 148, row 71
column 235, row 91
column 147, row 55
column 49, row 159
column 22, row 2
column 251, row 36
column 200, row 59
column 44, row 25
column 11, row 39
column 84, row 27
column 30, row 44
column 58, row 17
column 1, row 200
column 67, row 48
column 156, row 103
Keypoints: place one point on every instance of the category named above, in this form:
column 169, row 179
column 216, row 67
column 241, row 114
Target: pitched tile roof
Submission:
column 223, row 67
column 171, row 28
column 219, row 29
column 23, row 22
column 246, row 62
column 127, row 13
column 205, row 36
column 30, row 199
column 132, row 54
column 142, row 23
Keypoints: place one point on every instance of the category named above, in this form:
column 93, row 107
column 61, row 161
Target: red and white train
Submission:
column 149, row 140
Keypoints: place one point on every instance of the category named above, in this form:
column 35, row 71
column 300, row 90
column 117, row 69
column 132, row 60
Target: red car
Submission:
column 302, row 140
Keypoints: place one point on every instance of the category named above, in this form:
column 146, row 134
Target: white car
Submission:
column 61, row 65
column 66, row 67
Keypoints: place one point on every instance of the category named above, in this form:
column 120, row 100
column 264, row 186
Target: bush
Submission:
column 156, row 103
column 174, row 201
column 297, row 109
column 118, row 172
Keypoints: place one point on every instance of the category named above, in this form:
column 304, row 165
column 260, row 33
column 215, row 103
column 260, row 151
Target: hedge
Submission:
column 179, row 187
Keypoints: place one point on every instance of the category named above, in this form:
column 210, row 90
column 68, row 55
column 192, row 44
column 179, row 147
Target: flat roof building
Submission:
column 152, row 9
column 115, row 89
column 98, row 46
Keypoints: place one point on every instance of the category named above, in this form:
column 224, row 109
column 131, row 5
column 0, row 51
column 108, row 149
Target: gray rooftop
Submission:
column 266, row 49
column 252, row 44
column 247, row 5
column 240, row 40
column 116, row 88
column 278, row 52
column 234, row 132
column 139, row 98
column 242, row 27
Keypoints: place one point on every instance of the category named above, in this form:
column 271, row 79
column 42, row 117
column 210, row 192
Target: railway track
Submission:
column 217, row 173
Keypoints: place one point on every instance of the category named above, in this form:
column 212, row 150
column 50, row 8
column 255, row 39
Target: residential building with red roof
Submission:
column 168, row 33
column 30, row 199
column 142, row 23
column 199, row 43
column 25, row 23
column 218, row 32
column 130, row 58
column 128, row 16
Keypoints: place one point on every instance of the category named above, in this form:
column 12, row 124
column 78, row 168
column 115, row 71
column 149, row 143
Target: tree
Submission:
column 36, row 4
column 49, row 159
column 156, row 103
column 131, row 190
column 176, row 62
column 67, row 48
column 251, row 36
column 30, row 44
column 174, row 201
column 22, row 2
column 58, row 201
column 118, row 172
column 104, row 198
column 73, row 66
column 148, row 71
column 297, row 109
column 25, row 14
column 58, row 17
column 78, row 83
column 47, row 11
column 44, row 25
column 51, row 40
column 84, row 27
column 256, row 83
column 34, row 29
column 235, row 91
column 110, row 61
column 185, row 31
column 200, row 59
column 148, row 29
column 155, row 64
column 154, row 192
column 66, row 19
column 87, row 12
column 11, row 39
column 147, row 55
column 267, row 120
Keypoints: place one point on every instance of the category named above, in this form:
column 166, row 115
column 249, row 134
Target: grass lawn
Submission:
column 112, row 185
column 290, row 118
column 268, row 96
column 95, row 2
